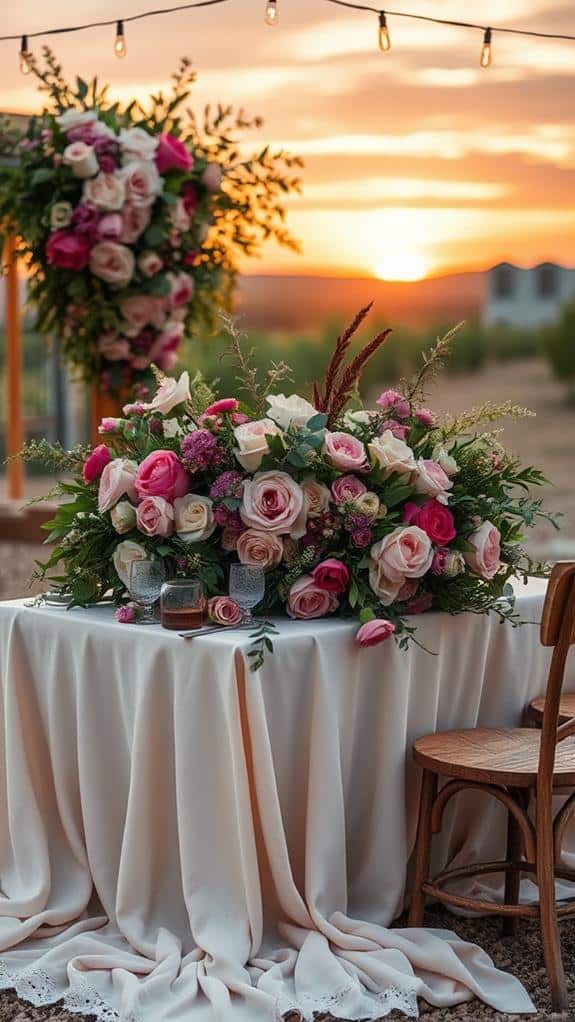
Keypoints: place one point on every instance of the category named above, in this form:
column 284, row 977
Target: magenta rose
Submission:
column 274, row 502
column 67, row 250
column 485, row 558
column 162, row 474
column 225, row 404
column 374, row 632
column 306, row 599
column 172, row 154
column 347, row 488
column 224, row 611
column 395, row 428
column 95, row 463
column 434, row 518
column 332, row 575
column 345, row 452
column 425, row 416
column 155, row 517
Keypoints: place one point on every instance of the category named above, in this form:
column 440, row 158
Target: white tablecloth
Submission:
column 182, row 839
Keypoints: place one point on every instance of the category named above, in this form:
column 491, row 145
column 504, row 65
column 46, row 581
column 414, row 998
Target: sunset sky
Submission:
column 418, row 162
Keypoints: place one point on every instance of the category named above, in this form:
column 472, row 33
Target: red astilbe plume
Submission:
column 340, row 383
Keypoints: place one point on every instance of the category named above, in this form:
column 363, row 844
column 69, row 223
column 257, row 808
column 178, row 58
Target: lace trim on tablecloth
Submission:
column 35, row 986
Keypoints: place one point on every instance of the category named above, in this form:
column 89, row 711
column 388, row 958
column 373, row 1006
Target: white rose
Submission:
column 361, row 417
column 172, row 428
column 447, row 462
column 123, row 517
column 170, row 393
column 289, row 411
column 124, row 554
column 368, row 504
column 317, row 497
column 392, row 454
column 107, row 192
column 150, row 263
column 60, row 215
column 75, row 118
column 81, row 159
column 252, row 445
column 194, row 518
column 137, row 144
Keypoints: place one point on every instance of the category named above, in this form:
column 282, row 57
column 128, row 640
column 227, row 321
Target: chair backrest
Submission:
column 557, row 630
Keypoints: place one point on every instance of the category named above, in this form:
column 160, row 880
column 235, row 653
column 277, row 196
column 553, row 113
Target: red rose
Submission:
column 189, row 197
column 95, row 463
column 434, row 518
column 331, row 575
column 172, row 154
column 68, row 251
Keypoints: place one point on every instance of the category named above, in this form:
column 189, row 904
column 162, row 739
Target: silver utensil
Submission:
column 211, row 631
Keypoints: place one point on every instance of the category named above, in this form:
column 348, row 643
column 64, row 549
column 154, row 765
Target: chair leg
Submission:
column 547, row 908
column 423, row 847
column 512, row 877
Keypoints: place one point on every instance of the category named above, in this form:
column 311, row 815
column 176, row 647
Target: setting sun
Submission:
column 396, row 246
column 401, row 265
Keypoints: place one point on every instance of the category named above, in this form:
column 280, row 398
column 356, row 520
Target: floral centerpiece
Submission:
column 374, row 514
column 131, row 219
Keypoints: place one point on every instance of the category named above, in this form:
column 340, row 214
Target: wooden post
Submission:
column 14, row 424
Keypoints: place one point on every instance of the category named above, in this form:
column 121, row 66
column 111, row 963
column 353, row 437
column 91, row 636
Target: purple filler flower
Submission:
column 229, row 484
column 362, row 538
column 200, row 450
column 125, row 615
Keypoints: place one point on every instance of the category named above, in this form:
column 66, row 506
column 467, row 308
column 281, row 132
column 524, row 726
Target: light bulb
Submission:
column 25, row 55
column 272, row 13
column 485, row 60
column 384, row 39
column 120, row 41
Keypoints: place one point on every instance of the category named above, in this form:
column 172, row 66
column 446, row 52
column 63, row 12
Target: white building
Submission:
column 527, row 297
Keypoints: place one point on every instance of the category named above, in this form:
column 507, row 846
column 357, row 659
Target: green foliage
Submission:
column 559, row 347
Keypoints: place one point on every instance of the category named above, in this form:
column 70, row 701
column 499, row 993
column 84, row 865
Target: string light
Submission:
column 25, row 55
column 485, row 59
column 272, row 13
column 384, row 39
column 120, row 41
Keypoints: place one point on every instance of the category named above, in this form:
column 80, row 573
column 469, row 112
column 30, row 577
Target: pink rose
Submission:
column 113, row 263
column 110, row 227
column 374, row 632
column 114, row 348
column 125, row 615
column 485, row 559
column 345, row 452
column 395, row 428
column 306, row 600
column 404, row 553
column 135, row 220
column 180, row 220
column 317, row 497
column 141, row 310
column 434, row 518
column 332, row 575
column 395, row 402
column 212, row 177
column 109, row 424
column 347, row 488
column 189, row 197
column 260, row 549
column 95, row 463
column 225, row 404
column 107, row 192
column 274, row 502
column 224, row 611
column 172, row 154
column 155, row 517
column 118, row 479
column 432, row 479
column 142, row 182
column 68, row 251
column 181, row 289
column 162, row 474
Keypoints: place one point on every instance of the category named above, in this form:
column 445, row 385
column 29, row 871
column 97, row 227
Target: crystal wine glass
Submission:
column 247, row 588
column 146, row 580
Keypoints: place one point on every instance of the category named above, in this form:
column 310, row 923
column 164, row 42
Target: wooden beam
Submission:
column 15, row 423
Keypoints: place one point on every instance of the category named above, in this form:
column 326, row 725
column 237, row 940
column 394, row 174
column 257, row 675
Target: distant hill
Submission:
column 304, row 302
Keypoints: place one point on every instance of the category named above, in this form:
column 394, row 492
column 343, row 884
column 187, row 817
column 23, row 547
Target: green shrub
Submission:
column 559, row 346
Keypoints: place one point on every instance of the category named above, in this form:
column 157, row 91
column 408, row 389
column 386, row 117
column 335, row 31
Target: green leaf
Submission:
column 41, row 175
column 367, row 614
column 155, row 235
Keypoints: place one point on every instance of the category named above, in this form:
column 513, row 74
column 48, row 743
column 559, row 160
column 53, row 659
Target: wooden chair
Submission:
column 511, row 764
column 534, row 712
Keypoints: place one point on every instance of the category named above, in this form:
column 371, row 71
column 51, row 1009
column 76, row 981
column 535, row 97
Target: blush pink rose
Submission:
column 172, row 154
column 306, row 600
column 118, row 479
column 486, row 556
column 347, row 488
column 434, row 518
column 405, row 553
column 374, row 632
column 181, row 289
column 150, row 263
column 112, row 263
column 432, row 479
column 332, row 575
column 95, row 463
column 274, row 502
column 345, row 452
column 106, row 192
column 224, row 611
column 260, row 549
column 114, row 348
column 110, row 227
column 393, row 401
column 141, row 310
column 68, row 251
column 155, row 517
column 162, row 474
column 142, row 182
column 135, row 219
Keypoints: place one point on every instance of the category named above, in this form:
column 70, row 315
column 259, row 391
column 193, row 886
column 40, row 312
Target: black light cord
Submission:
column 340, row 3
